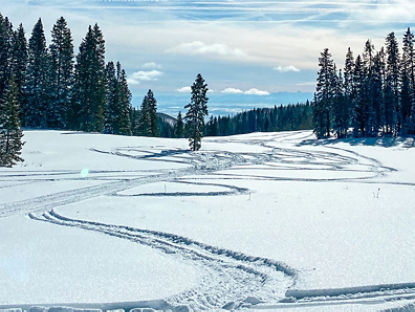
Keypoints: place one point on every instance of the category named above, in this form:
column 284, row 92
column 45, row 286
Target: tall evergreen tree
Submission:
column 368, row 59
column 88, row 103
column 323, row 98
column 340, row 107
column 111, row 99
column 19, row 66
column 196, row 112
column 408, row 82
column 392, row 107
column 152, row 106
column 360, row 105
column 36, row 79
column 405, row 95
column 61, row 59
column 6, row 52
column 378, row 90
column 10, row 132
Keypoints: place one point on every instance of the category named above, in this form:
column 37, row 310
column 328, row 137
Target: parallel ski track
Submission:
column 229, row 277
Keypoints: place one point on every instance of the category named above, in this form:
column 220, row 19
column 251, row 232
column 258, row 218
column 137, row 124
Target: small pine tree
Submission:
column 124, row 103
column 197, row 110
column 144, row 123
column 10, row 132
column 179, row 126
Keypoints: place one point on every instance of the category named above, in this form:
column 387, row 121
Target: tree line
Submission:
column 281, row 118
column 373, row 95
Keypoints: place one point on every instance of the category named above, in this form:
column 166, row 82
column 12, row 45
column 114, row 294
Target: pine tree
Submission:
column 405, row 95
column 10, row 132
column 197, row 110
column 323, row 98
column 144, row 124
column 179, row 126
column 36, row 79
column 346, row 111
column 348, row 75
column 6, row 52
column 19, row 66
column 408, row 77
column 111, row 98
column 360, row 104
column 378, row 90
column 152, row 107
column 368, row 61
column 340, row 107
column 392, row 107
column 60, row 74
column 6, row 56
column 88, row 103
column 123, row 103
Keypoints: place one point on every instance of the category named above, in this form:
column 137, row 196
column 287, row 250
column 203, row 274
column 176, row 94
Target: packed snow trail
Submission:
column 230, row 277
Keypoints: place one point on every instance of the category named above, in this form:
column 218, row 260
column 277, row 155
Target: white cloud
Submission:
column 199, row 47
column 151, row 65
column 285, row 69
column 253, row 91
column 184, row 89
column 142, row 75
column 232, row 91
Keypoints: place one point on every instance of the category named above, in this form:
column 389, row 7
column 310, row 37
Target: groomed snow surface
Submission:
column 257, row 222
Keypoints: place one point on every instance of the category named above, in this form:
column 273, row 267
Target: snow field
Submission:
column 244, row 223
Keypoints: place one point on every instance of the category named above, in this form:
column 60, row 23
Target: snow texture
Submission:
column 265, row 221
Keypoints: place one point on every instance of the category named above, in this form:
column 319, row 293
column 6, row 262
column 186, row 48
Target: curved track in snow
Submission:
column 231, row 280
column 230, row 277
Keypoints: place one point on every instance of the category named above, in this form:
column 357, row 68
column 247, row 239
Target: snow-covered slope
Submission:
column 265, row 221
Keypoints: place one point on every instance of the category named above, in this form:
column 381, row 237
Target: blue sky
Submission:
column 251, row 53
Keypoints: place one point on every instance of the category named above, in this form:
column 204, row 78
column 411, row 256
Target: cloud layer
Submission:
column 272, row 45
column 209, row 49
column 285, row 69
column 252, row 91
column 142, row 75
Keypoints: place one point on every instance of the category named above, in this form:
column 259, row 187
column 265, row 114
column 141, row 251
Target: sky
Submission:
column 251, row 53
